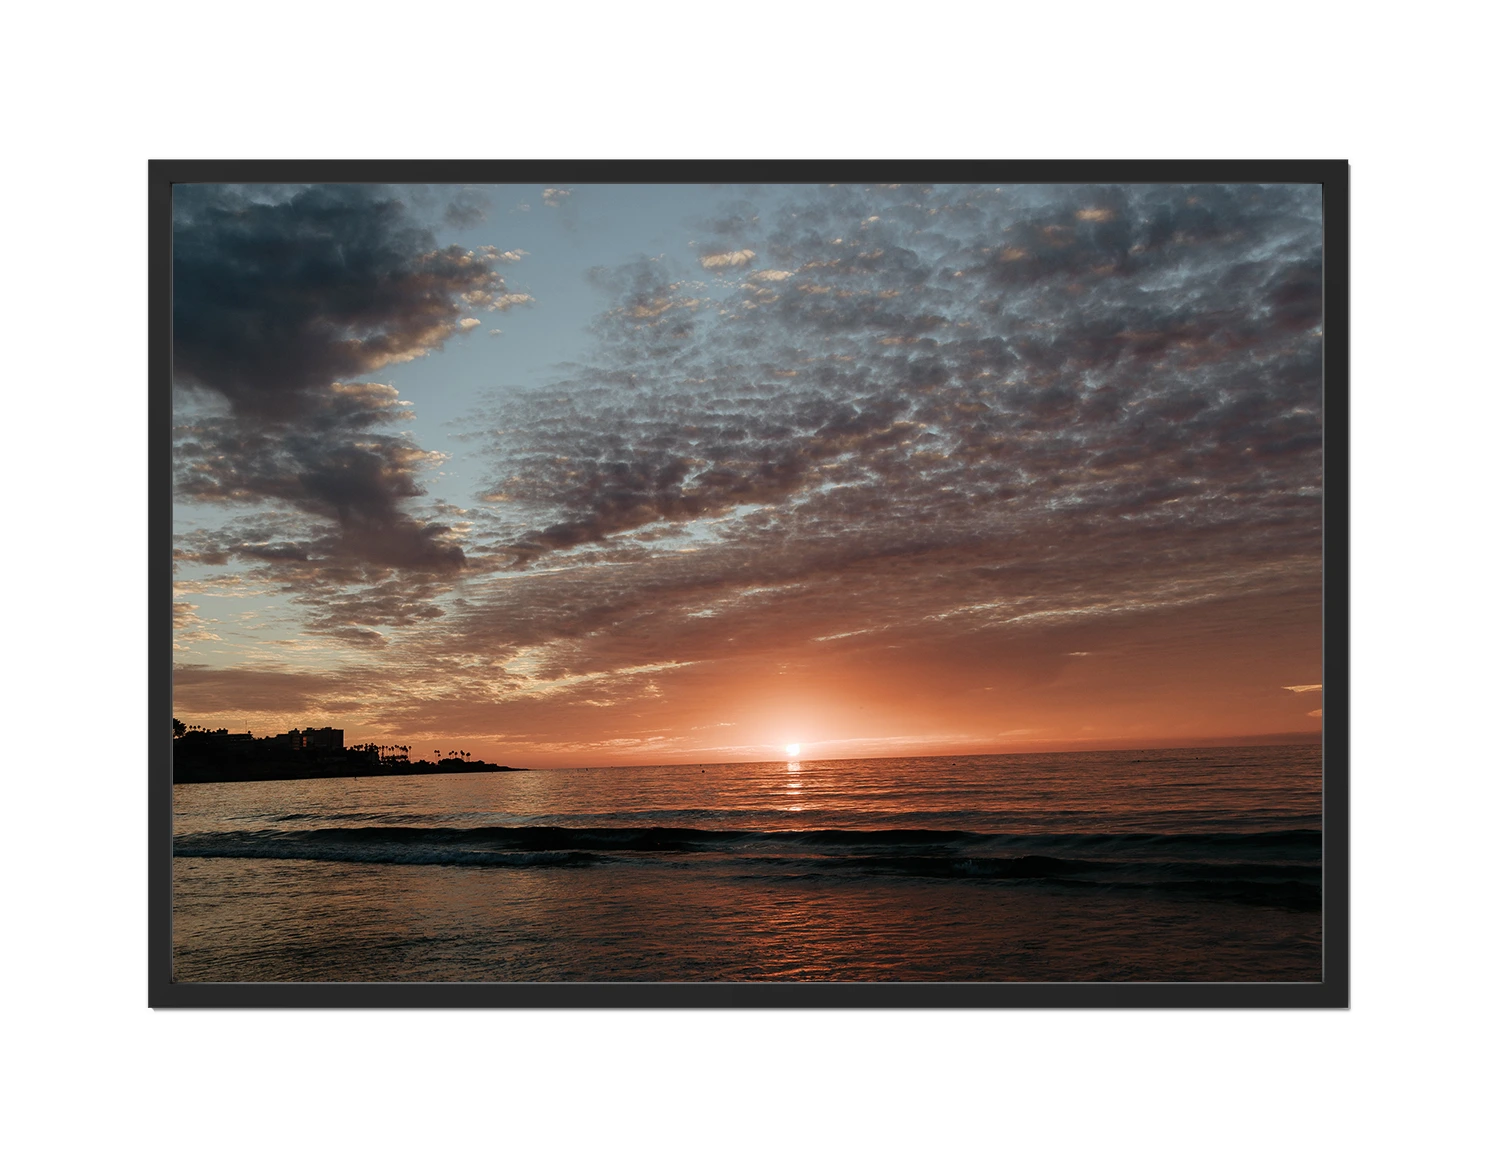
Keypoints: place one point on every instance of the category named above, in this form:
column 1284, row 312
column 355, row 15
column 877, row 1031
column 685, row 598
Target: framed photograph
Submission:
column 749, row 584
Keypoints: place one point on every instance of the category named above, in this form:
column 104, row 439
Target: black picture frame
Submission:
column 1332, row 992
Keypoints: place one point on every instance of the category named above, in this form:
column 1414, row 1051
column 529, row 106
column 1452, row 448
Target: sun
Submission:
column 794, row 749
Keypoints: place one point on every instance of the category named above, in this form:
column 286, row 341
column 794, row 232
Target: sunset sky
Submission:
column 648, row 474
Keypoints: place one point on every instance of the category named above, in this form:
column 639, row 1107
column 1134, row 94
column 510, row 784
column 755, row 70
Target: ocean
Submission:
column 1198, row 864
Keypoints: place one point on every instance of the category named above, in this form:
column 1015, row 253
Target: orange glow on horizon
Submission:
column 1138, row 679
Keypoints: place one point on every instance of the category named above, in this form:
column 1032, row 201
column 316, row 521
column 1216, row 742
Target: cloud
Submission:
column 1304, row 688
column 646, row 295
column 736, row 259
column 273, row 301
column 201, row 690
column 554, row 196
column 281, row 302
column 468, row 209
column 351, row 582
column 359, row 481
column 189, row 627
column 1127, row 424
column 946, row 387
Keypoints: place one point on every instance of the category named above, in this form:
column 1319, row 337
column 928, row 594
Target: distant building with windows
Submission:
column 312, row 739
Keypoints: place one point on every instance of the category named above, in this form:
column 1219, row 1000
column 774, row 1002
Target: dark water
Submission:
column 1198, row 864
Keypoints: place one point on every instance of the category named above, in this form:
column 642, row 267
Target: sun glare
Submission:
column 793, row 749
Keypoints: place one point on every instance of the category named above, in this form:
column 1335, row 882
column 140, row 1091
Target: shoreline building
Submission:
column 312, row 739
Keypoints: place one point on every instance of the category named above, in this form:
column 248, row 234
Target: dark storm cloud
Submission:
column 281, row 301
column 273, row 302
column 359, row 481
column 958, row 407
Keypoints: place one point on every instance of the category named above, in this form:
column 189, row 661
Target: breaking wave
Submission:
column 1280, row 868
